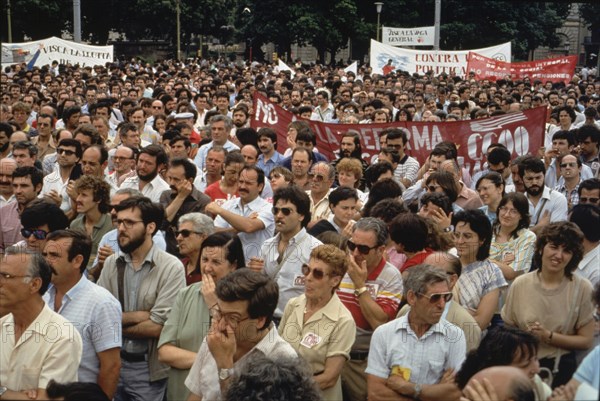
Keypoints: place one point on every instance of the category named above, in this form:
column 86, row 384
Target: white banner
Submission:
column 45, row 51
column 422, row 36
column 389, row 58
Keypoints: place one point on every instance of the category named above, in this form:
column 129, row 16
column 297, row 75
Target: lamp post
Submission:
column 178, row 28
column 378, row 6
column 8, row 21
column 77, row 20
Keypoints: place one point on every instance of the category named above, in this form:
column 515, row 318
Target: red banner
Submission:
column 560, row 69
column 521, row 133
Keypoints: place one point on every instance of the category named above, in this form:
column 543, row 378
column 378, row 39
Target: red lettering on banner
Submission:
column 521, row 133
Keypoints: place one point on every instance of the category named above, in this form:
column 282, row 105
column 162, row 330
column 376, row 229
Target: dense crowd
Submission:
column 162, row 248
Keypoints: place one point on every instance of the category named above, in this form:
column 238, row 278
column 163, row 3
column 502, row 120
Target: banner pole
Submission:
column 438, row 12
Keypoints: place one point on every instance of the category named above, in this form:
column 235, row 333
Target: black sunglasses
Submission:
column 317, row 274
column 38, row 234
column 285, row 210
column 186, row 233
column 67, row 152
column 363, row 249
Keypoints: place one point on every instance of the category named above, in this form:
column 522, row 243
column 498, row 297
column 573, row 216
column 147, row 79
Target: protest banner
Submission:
column 45, row 51
column 522, row 133
column 422, row 61
column 560, row 69
column 422, row 36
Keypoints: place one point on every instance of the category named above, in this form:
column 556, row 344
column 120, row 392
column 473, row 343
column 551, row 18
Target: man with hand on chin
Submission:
column 241, row 328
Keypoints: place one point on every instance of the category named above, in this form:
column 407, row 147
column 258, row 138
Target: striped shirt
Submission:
column 477, row 280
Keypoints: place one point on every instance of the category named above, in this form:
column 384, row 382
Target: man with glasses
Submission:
column 321, row 177
column 570, row 172
column 426, row 347
column 241, row 329
column 545, row 205
column 182, row 198
column 55, row 184
column 371, row 290
column 29, row 359
column 39, row 219
column 124, row 164
column 141, row 269
column 249, row 215
column 589, row 192
column 408, row 167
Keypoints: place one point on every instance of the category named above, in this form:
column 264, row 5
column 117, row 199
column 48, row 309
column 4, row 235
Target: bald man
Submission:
column 453, row 312
column 506, row 383
column 7, row 166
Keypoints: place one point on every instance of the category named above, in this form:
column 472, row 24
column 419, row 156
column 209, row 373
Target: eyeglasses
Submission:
column 510, row 212
column 127, row 223
column 119, row 158
column 316, row 273
column 8, row 276
column 588, row 200
column 38, row 234
column 362, row 249
column 285, row 210
column 316, row 177
column 67, row 152
column 435, row 298
column 563, row 165
column 157, row 107
column 233, row 321
column 186, row 233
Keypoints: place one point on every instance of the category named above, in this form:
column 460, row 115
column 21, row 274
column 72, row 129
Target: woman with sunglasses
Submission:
column 481, row 280
column 317, row 325
column 490, row 188
column 553, row 303
column 189, row 320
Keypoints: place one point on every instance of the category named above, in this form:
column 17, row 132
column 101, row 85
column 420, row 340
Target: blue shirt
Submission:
column 268, row 165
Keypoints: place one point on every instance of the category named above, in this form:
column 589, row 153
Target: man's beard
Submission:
column 4, row 147
column 148, row 177
column 534, row 190
column 134, row 243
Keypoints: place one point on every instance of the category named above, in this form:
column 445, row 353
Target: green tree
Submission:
column 36, row 19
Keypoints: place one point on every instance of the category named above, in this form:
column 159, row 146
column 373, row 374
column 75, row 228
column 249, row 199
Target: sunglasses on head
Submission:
column 285, row 210
column 435, row 298
column 317, row 274
column 363, row 249
column 185, row 233
column 38, row 234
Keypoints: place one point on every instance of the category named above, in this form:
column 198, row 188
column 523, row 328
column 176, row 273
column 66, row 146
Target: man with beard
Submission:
column 26, row 184
column 350, row 147
column 269, row 156
column 141, row 269
column 240, row 118
column 151, row 160
column 7, row 167
column 181, row 199
column 545, row 205
column 296, row 98
column 6, row 131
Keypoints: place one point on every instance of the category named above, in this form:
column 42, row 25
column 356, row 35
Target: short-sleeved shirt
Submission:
column 96, row 314
column 319, row 210
column 251, row 242
column 521, row 247
column 329, row 332
column 203, row 379
column 551, row 200
column 588, row 371
column 49, row 349
column 10, row 229
column 288, row 272
column 477, row 280
column 53, row 181
column 408, row 168
column 395, row 346
column 103, row 226
column 151, row 190
column 589, row 267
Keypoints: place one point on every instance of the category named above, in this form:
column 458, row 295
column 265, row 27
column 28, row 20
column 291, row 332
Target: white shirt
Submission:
column 288, row 274
column 589, row 267
column 551, row 200
column 251, row 242
column 4, row 202
column 152, row 190
column 53, row 181
column 200, row 158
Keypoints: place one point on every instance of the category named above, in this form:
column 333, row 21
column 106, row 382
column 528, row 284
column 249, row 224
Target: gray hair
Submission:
column 221, row 117
column 201, row 222
column 330, row 169
column 376, row 225
column 129, row 191
column 421, row 276
column 37, row 266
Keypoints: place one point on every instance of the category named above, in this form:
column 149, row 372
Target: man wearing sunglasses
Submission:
column 321, row 177
column 427, row 349
column 69, row 153
column 39, row 219
column 371, row 290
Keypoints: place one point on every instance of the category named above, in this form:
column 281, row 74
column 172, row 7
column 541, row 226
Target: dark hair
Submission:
column 588, row 131
column 566, row 135
column 81, row 244
column 76, row 391
column 521, row 204
column 26, row 145
column 7, row 129
column 100, row 190
column 590, row 184
column 562, row 233
column 260, row 174
column 480, row 224
column 311, row 156
column 36, row 176
column 269, row 133
column 587, row 218
column 494, row 177
column 298, row 198
column 395, row 133
column 306, row 135
column 261, row 292
column 410, row 231
column 445, row 180
column 72, row 143
column 373, row 172
column 388, row 209
column 357, row 152
column 231, row 243
column 499, row 155
column 265, row 378
column 499, row 347
column 42, row 212
column 151, row 212
column 569, row 110
column 189, row 167
column 532, row 164
column 384, row 189
column 341, row 194
column 157, row 152
column 440, row 200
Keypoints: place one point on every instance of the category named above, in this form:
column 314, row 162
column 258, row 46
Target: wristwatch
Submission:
column 3, row 389
column 417, row 391
column 225, row 374
column 359, row 291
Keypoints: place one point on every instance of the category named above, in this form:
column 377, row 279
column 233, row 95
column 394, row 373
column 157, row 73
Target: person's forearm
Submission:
column 241, row 223
column 108, row 377
column 135, row 317
column 145, row 329
column 372, row 312
column 176, row 357
column 41, row 394
column 172, row 209
column 571, row 342
column 507, row 270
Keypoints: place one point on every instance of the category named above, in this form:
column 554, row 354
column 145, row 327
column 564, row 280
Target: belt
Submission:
column 131, row 357
column 359, row 355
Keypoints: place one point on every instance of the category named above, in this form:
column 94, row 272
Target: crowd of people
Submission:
column 155, row 246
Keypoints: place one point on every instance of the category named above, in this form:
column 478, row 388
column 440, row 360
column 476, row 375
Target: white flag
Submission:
column 284, row 67
column 352, row 68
